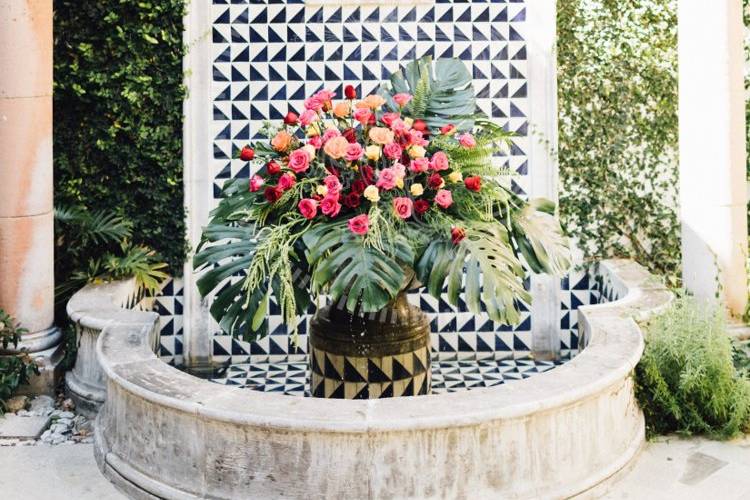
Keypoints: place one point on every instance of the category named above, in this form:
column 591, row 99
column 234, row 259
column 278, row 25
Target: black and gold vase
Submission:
column 376, row 355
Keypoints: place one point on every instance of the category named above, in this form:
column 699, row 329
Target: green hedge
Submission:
column 618, row 129
column 118, row 115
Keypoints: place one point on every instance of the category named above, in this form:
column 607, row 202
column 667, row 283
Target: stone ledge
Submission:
column 185, row 432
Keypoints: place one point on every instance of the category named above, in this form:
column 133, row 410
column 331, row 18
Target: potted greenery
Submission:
column 360, row 200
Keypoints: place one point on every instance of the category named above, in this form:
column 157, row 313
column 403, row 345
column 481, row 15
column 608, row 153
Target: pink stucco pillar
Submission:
column 26, row 217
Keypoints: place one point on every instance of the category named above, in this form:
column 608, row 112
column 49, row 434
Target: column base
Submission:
column 50, row 372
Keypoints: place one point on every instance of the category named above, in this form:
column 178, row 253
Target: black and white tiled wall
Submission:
column 268, row 55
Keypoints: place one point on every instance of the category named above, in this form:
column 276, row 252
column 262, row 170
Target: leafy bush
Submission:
column 96, row 246
column 686, row 381
column 17, row 369
column 118, row 115
column 618, row 129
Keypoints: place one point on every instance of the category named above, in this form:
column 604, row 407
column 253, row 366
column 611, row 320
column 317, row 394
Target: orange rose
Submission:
column 336, row 147
column 281, row 141
column 341, row 110
column 381, row 135
column 372, row 101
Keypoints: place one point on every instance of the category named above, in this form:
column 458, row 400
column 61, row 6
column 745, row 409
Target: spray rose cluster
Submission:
column 340, row 159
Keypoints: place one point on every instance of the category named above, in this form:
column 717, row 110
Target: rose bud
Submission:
column 350, row 92
column 447, row 129
column 457, row 234
column 247, row 153
column 273, row 168
column 473, row 183
column 420, row 125
column 350, row 135
column 291, row 118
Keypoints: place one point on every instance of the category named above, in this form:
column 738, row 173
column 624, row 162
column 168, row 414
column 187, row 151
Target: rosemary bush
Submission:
column 686, row 381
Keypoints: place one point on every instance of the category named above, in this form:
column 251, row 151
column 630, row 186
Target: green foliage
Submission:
column 95, row 247
column 686, row 381
column 118, row 116
column 17, row 369
column 618, row 129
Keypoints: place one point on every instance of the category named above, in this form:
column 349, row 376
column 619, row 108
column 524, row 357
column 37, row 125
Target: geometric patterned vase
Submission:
column 377, row 355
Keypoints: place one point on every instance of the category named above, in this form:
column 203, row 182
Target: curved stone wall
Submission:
column 164, row 433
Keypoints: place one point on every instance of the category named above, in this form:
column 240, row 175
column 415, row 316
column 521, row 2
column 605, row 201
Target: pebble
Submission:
column 66, row 427
column 16, row 403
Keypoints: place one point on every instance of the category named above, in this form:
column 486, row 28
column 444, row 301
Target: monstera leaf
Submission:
column 540, row 239
column 345, row 266
column 441, row 95
column 494, row 276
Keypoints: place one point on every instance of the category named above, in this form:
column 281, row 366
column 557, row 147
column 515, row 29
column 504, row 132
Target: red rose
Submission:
column 371, row 121
column 389, row 118
column 421, row 206
column 368, row 174
column 473, row 183
column 291, row 118
column 358, row 186
column 447, row 129
column 352, row 200
column 273, row 193
column 420, row 125
column 273, row 168
column 350, row 92
column 457, row 234
column 435, row 181
column 350, row 135
column 247, row 153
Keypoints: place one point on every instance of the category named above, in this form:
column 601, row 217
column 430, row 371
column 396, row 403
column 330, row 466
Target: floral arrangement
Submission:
column 354, row 196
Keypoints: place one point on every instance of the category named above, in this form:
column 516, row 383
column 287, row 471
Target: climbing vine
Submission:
column 618, row 129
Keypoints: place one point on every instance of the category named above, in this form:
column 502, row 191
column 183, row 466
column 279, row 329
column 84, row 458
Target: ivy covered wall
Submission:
column 118, row 115
column 618, row 129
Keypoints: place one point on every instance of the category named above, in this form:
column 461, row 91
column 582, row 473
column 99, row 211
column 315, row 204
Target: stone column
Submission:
column 713, row 195
column 26, row 221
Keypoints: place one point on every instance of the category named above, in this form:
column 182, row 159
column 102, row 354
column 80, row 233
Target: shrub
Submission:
column 118, row 115
column 686, row 381
column 618, row 129
column 17, row 369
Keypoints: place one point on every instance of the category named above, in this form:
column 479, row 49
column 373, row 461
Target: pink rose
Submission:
column 359, row 224
column 444, row 198
column 287, row 180
column 417, row 138
column 393, row 151
column 402, row 99
column 362, row 115
column 439, row 161
column 308, row 208
column 256, row 182
column 314, row 103
column 388, row 118
column 299, row 161
column 329, row 134
column 325, row 95
column 467, row 141
column 354, row 152
column 398, row 126
column 399, row 170
column 419, row 165
column 308, row 117
column 386, row 179
column 330, row 205
column 333, row 184
column 402, row 206
column 316, row 142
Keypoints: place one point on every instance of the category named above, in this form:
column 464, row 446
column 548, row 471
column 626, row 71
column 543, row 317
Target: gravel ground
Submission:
column 66, row 427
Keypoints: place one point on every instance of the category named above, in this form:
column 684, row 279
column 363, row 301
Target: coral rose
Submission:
column 467, row 141
column 363, row 115
column 282, row 141
column 447, row 129
column 372, row 101
column 308, row 208
column 381, row 135
column 359, row 224
column 402, row 206
column 299, row 160
column 444, row 198
column 336, row 147
column 402, row 99
column 342, row 109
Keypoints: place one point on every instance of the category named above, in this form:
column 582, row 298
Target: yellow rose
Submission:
column 417, row 152
column 400, row 183
column 455, row 177
column 313, row 129
column 372, row 101
column 372, row 194
column 342, row 109
column 381, row 135
column 416, row 189
column 373, row 152
column 321, row 190
column 408, row 122
column 336, row 147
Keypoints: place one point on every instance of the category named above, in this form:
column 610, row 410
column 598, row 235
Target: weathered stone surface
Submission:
column 27, row 427
column 16, row 403
column 163, row 433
